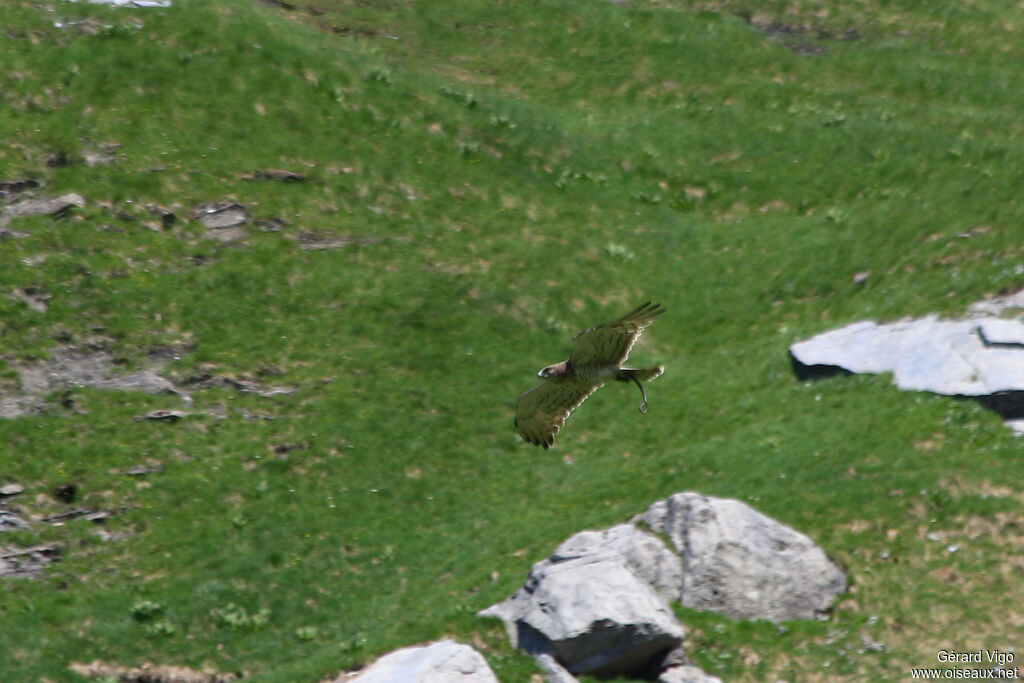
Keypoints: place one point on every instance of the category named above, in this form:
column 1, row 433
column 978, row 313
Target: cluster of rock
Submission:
column 17, row 561
column 70, row 367
column 91, row 364
column 151, row 673
column 225, row 220
column 979, row 357
column 601, row 603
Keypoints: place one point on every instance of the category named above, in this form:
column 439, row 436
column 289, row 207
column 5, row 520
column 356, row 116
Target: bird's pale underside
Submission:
column 597, row 356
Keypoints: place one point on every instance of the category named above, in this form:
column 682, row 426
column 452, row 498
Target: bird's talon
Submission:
column 643, row 395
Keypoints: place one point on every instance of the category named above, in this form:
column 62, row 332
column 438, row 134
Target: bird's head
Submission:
column 553, row 371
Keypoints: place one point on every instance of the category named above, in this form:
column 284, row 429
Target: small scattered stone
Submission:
column 162, row 415
column 57, row 159
column 272, row 224
column 868, row 645
column 105, row 535
column 166, row 216
column 223, row 220
column 85, row 27
column 35, row 298
column 47, row 206
column 7, row 233
column 9, row 521
column 78, row 513
column 102, row 155
column 141, row 469
column 13, row 187
column 277, row 174
column 314, row 242
column 245, row 386
column 221, row 215
column 8, row 490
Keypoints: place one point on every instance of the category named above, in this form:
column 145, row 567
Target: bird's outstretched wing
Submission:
column 611, row 342
column 542, row 411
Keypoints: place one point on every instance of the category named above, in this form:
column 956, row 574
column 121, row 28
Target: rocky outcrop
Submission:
column 738, row 562
column 70, row 367
column 44, row 206
column 91, row 364
column 17, row 561
column 980, row 358
column 442, row 662
column 600, row 604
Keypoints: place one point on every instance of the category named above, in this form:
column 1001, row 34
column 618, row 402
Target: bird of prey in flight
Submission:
column 597, row 356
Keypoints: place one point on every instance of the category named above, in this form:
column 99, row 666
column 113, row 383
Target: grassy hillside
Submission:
column 490, row 178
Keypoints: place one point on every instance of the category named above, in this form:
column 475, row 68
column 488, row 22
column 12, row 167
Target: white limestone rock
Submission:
column 970, row 357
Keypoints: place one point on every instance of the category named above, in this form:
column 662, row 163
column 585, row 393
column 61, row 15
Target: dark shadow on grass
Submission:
column 814, row 372
column 1007, row 404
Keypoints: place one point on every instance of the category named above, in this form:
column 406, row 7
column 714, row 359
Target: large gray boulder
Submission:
column 598, row 605
column 738, row 562
column 442, row 662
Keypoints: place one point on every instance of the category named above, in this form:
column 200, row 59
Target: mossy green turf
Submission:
column 507, row 173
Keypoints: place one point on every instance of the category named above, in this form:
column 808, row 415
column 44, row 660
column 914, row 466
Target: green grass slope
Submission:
column 497, row 176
